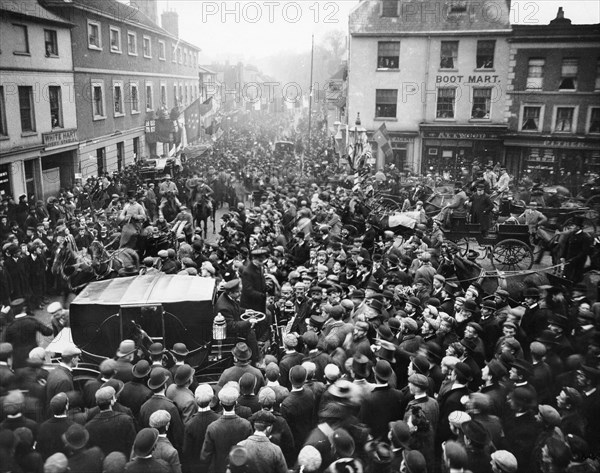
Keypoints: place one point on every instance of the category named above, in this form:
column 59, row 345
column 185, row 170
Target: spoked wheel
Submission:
column 512, row 255
column 462, row 244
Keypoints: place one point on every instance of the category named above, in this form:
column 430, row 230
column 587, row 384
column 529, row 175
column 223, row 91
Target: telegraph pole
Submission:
column 310, row 97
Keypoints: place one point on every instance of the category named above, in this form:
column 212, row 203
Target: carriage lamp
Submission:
column 219, row 331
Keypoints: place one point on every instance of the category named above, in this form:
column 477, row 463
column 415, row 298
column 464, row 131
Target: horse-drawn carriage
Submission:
column 150, row 308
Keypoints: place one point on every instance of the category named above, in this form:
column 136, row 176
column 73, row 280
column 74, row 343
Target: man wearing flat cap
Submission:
column 110, row 430
column 164, row 450
column 195, row 429
column 60, row 379
column 224, row 433
column 265, row 455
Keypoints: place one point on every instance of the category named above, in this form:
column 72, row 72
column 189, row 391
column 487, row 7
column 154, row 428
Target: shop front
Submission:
column 403, row 145
column 59, row 161
column 551, row 160
column 445, row 149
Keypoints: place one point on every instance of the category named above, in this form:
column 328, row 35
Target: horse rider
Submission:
column 168, row 186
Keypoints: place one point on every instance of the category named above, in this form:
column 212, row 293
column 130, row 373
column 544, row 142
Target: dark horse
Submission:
column 203, row 209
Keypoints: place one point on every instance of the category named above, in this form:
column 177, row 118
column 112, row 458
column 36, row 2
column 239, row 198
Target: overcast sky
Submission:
column 244, row 30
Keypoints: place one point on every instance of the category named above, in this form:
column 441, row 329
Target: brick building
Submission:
column 126, row 68
column 554, row 102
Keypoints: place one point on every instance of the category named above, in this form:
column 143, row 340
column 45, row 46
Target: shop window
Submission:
column 568, row 80
column 180, row 95
column 20, row 40
column 149, row 97
column 118, row 99
column 132, row 43
column 147, row 47
column 485, row 54
column 389, row 8
column 535, row 74
column 55, row 99
column 50, row 43
column 386, row 101
column 94, row 35
column 162, row 52
column 482, row 104
column 449, row 55
column 175, row 99
column 531, row 119
column 98, row 100
column 115, row 39
column 564, row 119
column 134, row 97
column 3, row 128
column 26, row 108
column 597, row 85
column 445, row 102
column 388, row 54
column 594, row 120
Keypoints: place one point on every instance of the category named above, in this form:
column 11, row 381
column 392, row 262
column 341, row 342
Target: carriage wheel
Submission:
column 389, row 205
column 462, row 245
column 512, row 255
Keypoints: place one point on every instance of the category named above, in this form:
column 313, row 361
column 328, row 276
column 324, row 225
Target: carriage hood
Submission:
column 147, row 289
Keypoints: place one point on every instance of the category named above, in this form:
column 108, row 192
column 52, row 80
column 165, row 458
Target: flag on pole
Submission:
column 192, row 120
column 382, row 138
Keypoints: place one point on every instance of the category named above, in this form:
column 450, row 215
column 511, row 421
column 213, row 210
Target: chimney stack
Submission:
column 148, row 8
column 170, row 22
column 560, row 18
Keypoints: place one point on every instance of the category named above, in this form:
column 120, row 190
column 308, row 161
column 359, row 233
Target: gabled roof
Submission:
column 119, row 11
column 32, row 10
column 425, row 17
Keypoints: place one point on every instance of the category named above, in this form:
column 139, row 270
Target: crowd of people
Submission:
column 369, row 358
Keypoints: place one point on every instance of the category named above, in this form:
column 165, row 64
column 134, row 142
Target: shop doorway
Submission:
column 30, row 177
column 101, row 161
column 120, row 155
column 50, row 182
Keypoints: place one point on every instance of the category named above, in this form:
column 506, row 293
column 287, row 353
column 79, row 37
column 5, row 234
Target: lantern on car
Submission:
column 219, row 333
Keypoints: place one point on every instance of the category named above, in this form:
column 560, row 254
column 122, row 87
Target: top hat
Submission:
column 386, row 351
